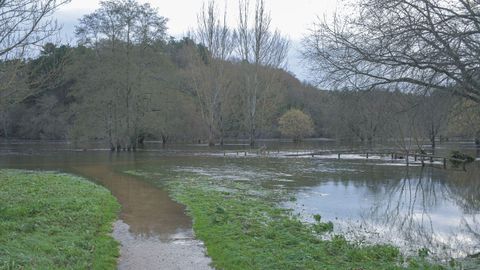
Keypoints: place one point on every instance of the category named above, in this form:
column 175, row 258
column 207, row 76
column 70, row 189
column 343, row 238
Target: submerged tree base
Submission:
column 55, row 221
column 243, row 228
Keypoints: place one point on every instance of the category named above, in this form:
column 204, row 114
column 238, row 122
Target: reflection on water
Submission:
column 412, row 208
column 369, row 200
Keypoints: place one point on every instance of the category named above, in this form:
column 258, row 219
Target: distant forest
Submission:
column 127, row 81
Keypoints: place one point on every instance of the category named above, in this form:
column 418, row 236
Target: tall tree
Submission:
column 258, row 46
column 208, row 68
column 122, row 34
column 361, row 115
column 432, row 113
column 405, row 44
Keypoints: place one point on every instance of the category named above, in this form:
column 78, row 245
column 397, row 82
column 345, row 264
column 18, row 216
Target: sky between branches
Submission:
column 292, row 17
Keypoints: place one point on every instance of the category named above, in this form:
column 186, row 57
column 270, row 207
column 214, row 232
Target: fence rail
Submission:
column 395, row 155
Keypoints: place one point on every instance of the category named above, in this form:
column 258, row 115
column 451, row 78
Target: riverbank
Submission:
column 243, row 228
column 52, row 220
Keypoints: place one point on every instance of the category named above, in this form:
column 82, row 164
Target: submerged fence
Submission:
column 415, row 157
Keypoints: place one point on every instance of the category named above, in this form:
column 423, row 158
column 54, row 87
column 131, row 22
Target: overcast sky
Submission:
column 291, row 17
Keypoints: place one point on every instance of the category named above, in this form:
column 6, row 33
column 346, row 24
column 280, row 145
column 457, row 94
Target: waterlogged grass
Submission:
column 55, row 221
column 243, row 228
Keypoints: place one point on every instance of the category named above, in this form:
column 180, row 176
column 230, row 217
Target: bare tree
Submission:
column 261, row 47
column 24, row 23
column 432, row 112
column 406, row 44
column 210, row 81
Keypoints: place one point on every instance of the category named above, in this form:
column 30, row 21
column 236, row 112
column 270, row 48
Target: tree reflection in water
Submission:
column 422, row 210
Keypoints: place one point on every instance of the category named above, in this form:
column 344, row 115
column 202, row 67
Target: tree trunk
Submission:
column 252, row 136
column 252, row 126
column 211, row 142
column 211, row 135
column 133, row 142
column 164, row 140
column 432, row 136
column 5, row 127
column 221, row 131
column 141, row 139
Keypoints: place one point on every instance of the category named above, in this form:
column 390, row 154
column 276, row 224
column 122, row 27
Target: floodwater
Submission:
column 154, row 231
column 370, row 201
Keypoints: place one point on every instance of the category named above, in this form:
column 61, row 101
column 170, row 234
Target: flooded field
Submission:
column 370, row 201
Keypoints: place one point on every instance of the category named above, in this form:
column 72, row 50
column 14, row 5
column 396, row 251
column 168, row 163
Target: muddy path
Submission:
column 154, row 231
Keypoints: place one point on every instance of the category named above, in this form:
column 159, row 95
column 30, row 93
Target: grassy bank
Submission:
column 243, row 228
column 55, row 221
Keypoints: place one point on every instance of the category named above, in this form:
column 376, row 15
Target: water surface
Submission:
column 373, row 201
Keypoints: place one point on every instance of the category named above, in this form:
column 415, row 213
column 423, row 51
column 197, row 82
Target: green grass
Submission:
column 243, row 228
column 55, row 221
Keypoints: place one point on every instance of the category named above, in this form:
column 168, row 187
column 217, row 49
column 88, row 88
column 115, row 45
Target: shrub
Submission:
column 296, row 124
